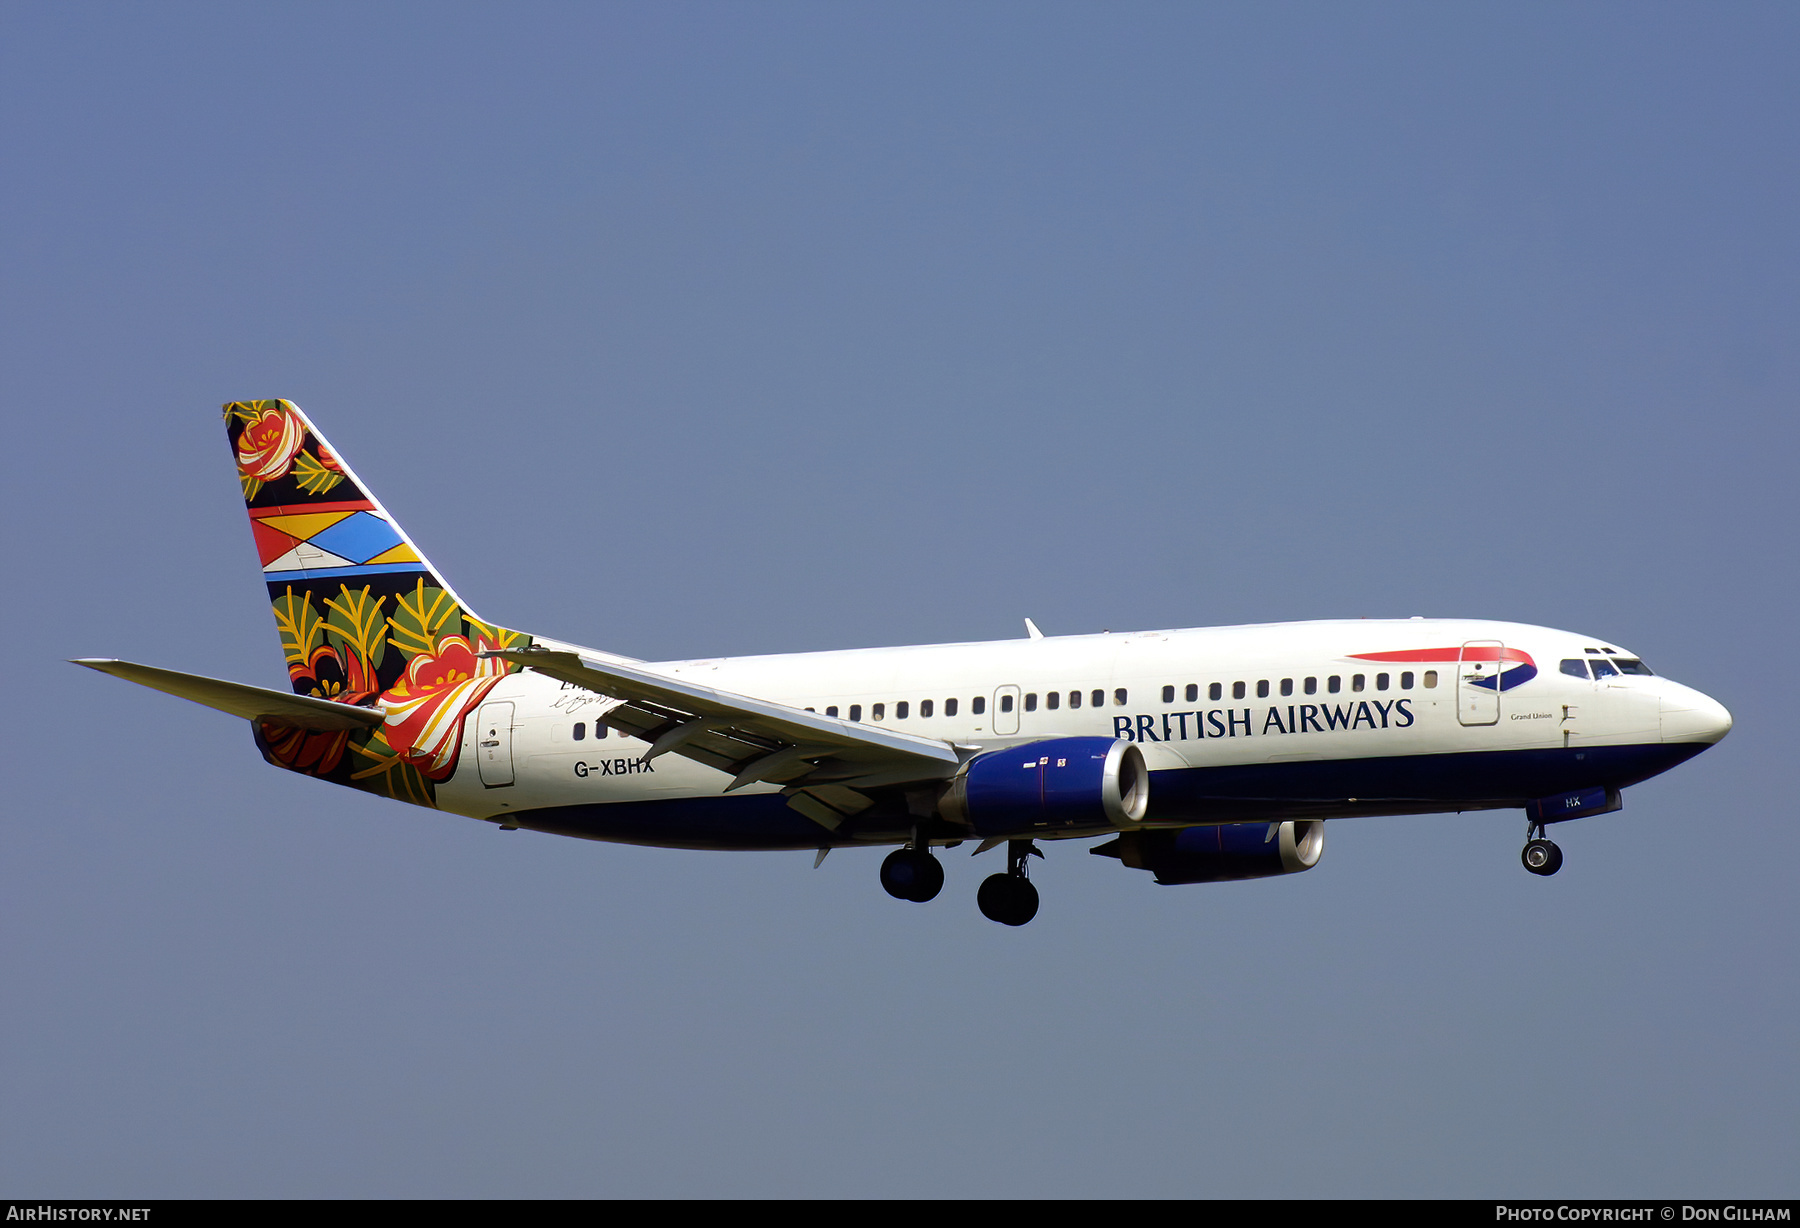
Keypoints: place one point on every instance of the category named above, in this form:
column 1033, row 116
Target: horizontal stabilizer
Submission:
column 253, row 703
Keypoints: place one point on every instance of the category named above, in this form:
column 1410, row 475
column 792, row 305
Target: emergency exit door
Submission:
column 1005, row 718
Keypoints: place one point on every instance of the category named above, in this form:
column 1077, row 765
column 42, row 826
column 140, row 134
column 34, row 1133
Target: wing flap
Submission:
column 753, row 739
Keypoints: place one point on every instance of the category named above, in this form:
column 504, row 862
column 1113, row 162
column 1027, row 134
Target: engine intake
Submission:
column 1223, row 853
column 1056, row 783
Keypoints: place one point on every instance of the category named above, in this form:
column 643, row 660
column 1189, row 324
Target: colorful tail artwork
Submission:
column 364, row 618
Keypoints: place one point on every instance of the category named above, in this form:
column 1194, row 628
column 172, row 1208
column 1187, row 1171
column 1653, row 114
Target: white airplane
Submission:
column 1206, row 754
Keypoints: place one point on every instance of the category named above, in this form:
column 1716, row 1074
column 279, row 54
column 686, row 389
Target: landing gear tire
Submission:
column 1008, row 899
column 1541, row 857
column 910, row 874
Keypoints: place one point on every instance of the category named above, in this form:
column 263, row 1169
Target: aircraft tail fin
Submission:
column 313, row 520
column 362, row 614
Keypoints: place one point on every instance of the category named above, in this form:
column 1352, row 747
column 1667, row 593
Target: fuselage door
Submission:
column 1006, row 710
column 1478, row 683
column 493, row 744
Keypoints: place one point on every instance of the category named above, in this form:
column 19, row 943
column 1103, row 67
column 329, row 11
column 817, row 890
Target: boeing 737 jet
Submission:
column 1205, row 755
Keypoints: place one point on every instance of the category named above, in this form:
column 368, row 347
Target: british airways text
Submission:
column 1242, row 722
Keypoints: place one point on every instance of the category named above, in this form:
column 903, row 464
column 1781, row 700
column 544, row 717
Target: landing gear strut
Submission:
column 1010, row 898
column 1540, row 856
column 912, row 873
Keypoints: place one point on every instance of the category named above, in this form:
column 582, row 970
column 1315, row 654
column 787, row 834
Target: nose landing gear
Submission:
column 1010, row 898
column 1539, row 855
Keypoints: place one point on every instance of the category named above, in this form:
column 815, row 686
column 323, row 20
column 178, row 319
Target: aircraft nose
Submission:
column 1689, row 716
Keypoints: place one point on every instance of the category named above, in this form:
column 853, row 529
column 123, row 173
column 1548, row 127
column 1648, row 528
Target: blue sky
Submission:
column 699, row 329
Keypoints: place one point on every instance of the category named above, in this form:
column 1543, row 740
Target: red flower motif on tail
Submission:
column 269, row 444
column 425, row 708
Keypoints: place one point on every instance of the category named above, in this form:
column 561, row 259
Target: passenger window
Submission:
column 600, row 731
column 924, row 707
column 1356, row 682
column 900, row 711
column 1603, row 669
column 950, row 707
column 1216, row 691
column 856, row 712
column 1381, row 682
column 1052, row 700
column 1430, row 679
column 1406, row 681
column 1005, row 703
column 831, row 711
column 1262, row 688
column 1287, row 686
column 1074, row 699
column 1168, row 694
column 1312, row 686
column 1119, row 697
column 1193, row 692
column 1575, row 667
column 1097, row 699
column 580, row 731
column 1334, row 684
column 1237, row 690
column 878, row 711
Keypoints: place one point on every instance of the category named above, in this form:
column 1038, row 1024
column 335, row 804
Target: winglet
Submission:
column 1032, row 631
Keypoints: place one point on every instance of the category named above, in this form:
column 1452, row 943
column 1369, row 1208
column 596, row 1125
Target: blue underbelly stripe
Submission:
column 1243, row 792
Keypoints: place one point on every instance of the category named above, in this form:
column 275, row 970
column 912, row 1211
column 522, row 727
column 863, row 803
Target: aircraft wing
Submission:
column 821, row 760
column 253, row 703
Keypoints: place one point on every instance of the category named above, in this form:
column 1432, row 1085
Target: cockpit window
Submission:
column 1603, row 669
column 1575, row 667
column 1631, row 665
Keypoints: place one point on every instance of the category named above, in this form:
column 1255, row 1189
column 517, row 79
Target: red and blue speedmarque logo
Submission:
column 1515, row 666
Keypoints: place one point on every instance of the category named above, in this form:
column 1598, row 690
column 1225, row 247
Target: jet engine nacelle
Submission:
column 1222, row 853
column 1055, row 784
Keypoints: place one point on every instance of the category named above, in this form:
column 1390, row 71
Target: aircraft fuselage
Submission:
column 1254, row 723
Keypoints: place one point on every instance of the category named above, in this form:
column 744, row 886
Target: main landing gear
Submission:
column 912, row 873
column 1540, row 856
column 1010, row 898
